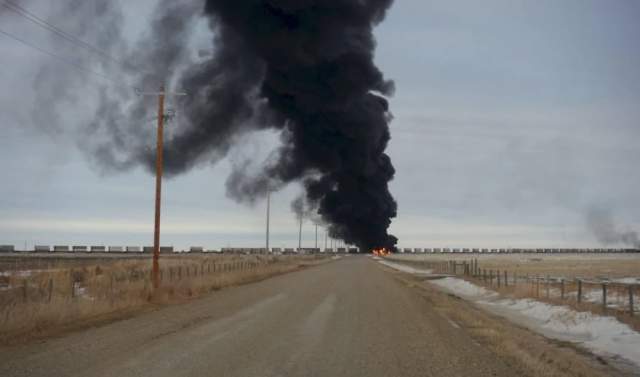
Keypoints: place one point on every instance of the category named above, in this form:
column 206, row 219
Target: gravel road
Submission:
column 345, row 318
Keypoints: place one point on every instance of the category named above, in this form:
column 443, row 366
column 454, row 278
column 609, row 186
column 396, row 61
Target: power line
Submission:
column 76, row 65
column 56, row 30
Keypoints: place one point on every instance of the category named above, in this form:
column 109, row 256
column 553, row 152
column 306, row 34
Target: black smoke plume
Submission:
column 600, row 222
column 302, row 67
column 321, row 85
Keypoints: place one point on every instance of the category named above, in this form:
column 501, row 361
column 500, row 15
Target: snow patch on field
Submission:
column 603, row 335
column 627, row 280
column 463, row 288
column 405, row 268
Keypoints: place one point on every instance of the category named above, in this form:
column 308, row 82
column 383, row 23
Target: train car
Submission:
column 7, row 248
column 133, row 249
column 166, row 249
column 79, row 249
column 61, row 248
column 196, row 249
column 115, row 249
column 42, row 248
column 97, row 249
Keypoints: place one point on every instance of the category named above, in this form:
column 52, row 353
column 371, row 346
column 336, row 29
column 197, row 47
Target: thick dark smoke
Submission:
column 321, row 84
column 302, row 67
column 600, row 222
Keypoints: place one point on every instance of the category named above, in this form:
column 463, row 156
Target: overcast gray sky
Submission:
column 512, row 119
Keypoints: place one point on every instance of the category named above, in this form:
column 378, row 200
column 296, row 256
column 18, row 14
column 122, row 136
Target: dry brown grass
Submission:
column 568, row 265
column 540, row 277
column 55, row 297
column 528, row 353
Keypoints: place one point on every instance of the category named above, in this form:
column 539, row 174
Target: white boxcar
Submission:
column 7, row 248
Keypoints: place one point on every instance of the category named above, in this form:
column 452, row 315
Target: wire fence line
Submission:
column 613, row 297
column 41, row 299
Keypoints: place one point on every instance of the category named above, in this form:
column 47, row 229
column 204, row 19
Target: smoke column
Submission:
column 600, row 223
column 302, row 67
column 323, row 89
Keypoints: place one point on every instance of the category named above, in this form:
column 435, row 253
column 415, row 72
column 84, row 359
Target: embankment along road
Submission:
column 351, row 317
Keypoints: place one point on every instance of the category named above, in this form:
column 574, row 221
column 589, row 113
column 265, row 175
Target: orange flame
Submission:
column 382, row 252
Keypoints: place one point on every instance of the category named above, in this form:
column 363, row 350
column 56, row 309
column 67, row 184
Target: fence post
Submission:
column 455, row 265
column 50, row 289
column 25, row 287
column 604, row 297
column 506, row 280
column 498, row 276
column 491, row 278
column 631, row 308
column 562, row 289
column 579, row 291
column 537, row 286
column 548, row 284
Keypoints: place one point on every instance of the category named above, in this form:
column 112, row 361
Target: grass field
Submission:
column 553, row 278
column 44, row 295
column 613, row 266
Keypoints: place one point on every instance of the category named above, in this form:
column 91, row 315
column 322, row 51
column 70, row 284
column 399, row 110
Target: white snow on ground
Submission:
column 604, row 336
column 614, row 299
column 405, row 268
column 627, row 280
column 18, row 273
column 463, row 288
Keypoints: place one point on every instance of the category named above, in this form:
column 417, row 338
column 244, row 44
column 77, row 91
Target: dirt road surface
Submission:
column 346, row 318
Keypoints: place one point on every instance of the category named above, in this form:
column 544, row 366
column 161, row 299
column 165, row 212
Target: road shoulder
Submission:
column 537, row 355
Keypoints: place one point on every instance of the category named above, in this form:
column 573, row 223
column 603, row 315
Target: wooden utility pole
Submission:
column 156, row 227
column 268, row 210
column 155, row 271
column 300, row 236
column 325, row 238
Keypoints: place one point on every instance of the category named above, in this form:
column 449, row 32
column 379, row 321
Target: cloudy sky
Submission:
column 512, row 120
